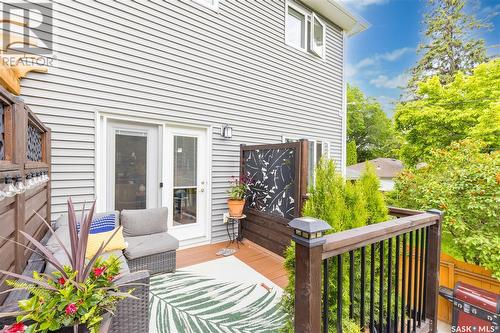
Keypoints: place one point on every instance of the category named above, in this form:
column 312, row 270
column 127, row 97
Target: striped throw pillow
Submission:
column 101, row 224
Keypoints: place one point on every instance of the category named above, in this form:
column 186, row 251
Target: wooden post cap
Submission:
column 309, row 231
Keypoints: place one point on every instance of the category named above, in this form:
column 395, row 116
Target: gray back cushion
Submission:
column 142, row 222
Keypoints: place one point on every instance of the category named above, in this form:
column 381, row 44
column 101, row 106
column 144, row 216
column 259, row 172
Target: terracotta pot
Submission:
column 235, row 207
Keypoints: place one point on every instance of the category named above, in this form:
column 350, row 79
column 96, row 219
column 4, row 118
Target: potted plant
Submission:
column 237, row 190
column 76, row 298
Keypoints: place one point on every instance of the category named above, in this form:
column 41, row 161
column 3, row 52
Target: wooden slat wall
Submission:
column 18, row 213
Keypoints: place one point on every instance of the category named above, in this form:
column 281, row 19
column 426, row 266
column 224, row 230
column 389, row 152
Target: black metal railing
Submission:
column 397, row 281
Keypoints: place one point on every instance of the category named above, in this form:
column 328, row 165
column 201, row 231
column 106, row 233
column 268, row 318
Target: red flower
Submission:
column 98, row 271
column 62, row 281
column 16, row 328
column 110, row 278
column 71, row 309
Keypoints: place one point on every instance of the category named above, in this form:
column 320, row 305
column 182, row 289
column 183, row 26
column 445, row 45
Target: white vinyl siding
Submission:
column 181, row 62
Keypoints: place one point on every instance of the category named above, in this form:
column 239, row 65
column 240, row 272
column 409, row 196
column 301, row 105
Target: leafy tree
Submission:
column 467, row 107
column 450, row 45
column 464, row 182
column 352, row 154
column 344, row 205
column 369, row 127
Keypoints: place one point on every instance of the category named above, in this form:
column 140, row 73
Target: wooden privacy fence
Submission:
column 453, row 271
column 383, row 276
column 279, row 175
column 24, row 156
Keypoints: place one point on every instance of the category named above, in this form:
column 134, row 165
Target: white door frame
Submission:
column 100, row 186
column 153, row 172
column 202, row 232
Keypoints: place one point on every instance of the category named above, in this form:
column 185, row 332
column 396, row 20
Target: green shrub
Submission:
column 344, row 205
column 464, row 181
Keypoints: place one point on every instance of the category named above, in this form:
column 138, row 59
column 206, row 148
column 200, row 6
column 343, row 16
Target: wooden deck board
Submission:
column 263, row 261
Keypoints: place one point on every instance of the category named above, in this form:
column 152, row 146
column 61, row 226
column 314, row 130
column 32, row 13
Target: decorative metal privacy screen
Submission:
column 2, row 130
column 34, row 144
column 273, row 174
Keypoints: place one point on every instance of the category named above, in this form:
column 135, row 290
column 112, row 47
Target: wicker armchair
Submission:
column 132, row 315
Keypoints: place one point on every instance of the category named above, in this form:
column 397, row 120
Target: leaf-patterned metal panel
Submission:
column 2, row 131
column 272, row 172
column 34, row 144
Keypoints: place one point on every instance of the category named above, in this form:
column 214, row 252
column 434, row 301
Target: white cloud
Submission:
column 489, row 12
column 361, row 4
column 394, row 55
column 382, row 81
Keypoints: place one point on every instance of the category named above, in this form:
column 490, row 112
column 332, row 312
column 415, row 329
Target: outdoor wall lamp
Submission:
column 226, row 131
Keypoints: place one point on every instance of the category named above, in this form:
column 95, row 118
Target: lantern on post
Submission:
column 309, row 231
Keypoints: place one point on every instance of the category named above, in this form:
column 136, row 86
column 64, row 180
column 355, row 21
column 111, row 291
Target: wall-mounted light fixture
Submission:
column 226, row 131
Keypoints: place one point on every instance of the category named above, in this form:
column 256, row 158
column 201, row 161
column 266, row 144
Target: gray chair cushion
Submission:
column 62, row 220
column 142, row 246
column 63, row 234
column 142, row 222
column 63, row 259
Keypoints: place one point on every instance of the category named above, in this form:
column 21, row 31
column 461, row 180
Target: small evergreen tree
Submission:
column 369, row 186
column 344, row 205
column 352, row 154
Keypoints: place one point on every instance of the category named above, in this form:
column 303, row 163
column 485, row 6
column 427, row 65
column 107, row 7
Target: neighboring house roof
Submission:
column 338, row 14
column 384, row 168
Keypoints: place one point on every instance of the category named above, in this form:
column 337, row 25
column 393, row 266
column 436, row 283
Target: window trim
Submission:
column 214, row 6
column 306, row 14
column 311, row 37
column 325, row 146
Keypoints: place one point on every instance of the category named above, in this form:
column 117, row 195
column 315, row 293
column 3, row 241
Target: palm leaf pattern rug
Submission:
column 223, row 295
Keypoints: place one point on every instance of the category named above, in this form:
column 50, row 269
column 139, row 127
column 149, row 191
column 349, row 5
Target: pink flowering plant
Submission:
column 84, row 293
column 238, row 187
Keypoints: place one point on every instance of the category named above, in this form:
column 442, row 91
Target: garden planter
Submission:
column 81, row 329
column 235, row 207
column 105, row 324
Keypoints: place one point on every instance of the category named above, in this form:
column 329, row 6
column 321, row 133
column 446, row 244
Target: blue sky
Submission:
column 378, row 59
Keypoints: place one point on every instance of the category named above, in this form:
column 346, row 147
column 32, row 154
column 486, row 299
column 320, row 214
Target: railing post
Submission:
column 309, row 240
column 434, row 253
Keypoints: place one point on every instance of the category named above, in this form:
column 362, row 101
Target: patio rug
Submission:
column 222, row 295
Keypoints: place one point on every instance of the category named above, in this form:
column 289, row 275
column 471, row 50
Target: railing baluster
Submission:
column 381, row 289
column 396, row 287
column 372, row 288
column 403, row 284
column 421, row 279
column 325, row 295
column 363, row 281
column 415, row 284
column 426, row 271
column 339, row 293
column 389, row 283
column 351, row 284
column 408, row 300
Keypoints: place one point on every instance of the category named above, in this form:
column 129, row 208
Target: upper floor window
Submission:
column 212, row 4
column 304, row 30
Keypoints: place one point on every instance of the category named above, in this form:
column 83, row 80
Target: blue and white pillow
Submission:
column 101, row 224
